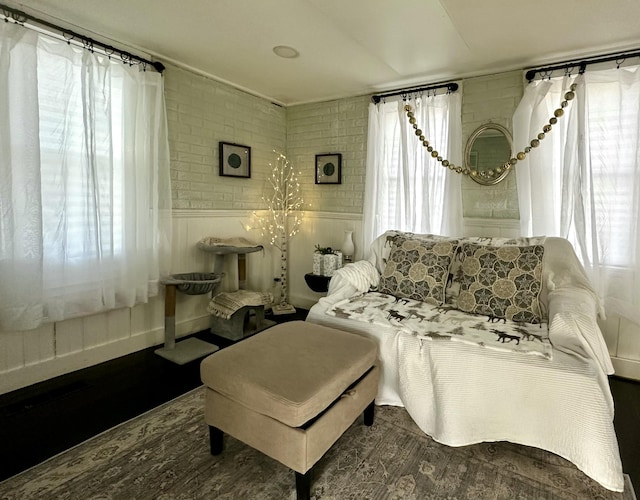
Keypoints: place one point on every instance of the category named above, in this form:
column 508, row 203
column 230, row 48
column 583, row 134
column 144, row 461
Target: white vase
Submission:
column 347, row 246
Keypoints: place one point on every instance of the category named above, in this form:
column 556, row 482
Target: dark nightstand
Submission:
column 317, row 282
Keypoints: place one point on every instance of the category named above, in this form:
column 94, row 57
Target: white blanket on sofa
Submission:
column 460, row 394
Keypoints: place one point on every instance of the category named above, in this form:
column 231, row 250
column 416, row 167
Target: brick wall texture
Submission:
column 330, row 127
column 493, row 99
column 201, row 112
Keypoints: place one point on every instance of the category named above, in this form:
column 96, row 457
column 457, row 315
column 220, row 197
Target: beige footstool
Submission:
column 290, row 392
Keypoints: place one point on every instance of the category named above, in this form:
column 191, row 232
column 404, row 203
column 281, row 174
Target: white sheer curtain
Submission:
column 85, row 194
column 405, row 188
column 583, row 182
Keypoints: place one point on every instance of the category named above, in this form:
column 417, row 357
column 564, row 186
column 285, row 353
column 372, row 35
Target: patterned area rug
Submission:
column 164, row 454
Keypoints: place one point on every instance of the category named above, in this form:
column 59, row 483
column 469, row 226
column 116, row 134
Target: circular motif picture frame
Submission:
column 329, row 168
column 235, row 160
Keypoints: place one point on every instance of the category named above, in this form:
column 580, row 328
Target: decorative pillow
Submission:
column 453, row 286
column 382, row 245
column 418, row 269
column 501, row 282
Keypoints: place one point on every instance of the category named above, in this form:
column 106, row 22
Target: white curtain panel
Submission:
column 405, row 188
column 583, row 181
column 85, row 203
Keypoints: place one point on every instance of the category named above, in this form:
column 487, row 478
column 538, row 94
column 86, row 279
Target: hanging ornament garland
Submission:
column 521, row 155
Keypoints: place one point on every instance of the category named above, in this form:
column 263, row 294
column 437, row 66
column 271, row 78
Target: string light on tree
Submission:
column 283, row 218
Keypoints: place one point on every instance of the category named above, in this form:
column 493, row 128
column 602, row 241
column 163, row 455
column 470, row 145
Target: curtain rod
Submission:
column 19, row 17
column 582, row 64
column 451, row 87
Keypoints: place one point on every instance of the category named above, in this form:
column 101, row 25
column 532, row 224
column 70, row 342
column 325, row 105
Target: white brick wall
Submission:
column 341, row 126
column 493, row 99
column 202, row 112
column 330, row 127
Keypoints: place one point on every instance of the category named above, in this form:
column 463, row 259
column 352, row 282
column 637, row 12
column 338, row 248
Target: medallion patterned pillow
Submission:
column 501, row 282
column 453, row 286
column 418, row 269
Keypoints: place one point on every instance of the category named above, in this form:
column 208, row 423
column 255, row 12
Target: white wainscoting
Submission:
column 58, row 348
column 326, row 229
column 54, row 349
column 623, row 340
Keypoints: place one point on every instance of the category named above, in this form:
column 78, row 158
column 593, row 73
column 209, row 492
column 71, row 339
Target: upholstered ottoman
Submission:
column 290, row 392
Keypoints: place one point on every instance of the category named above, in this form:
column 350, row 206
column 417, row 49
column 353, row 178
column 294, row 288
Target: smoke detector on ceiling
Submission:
column 285, row 51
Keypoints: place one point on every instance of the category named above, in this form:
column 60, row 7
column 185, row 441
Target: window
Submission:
column 85, row 220
column 66, row 180
column 613, row 147
column 583, row 182
column 406, row 189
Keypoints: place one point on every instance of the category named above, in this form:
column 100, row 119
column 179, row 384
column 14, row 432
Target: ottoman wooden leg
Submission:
column 215, row 440
column 369, row 412
column 303, row 485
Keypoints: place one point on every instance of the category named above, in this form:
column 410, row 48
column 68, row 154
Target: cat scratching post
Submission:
column 242, row 322
column 191, row 348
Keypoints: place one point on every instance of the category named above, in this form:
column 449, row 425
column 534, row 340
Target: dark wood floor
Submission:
column 626, row 395
column 43, row 420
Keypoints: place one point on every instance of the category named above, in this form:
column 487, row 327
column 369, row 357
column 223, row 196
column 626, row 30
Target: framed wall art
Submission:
column 329, row 168
column 235, row 160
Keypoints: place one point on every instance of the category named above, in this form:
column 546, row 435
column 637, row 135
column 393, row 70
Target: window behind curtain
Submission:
column 85, row 220
column 613, row 140
column 63, row 123
column 583, row 182
column 406, row 189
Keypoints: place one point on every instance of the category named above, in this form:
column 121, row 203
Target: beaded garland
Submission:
column 521, row 155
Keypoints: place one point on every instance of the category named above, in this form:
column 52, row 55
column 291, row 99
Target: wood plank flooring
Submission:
column 626, row 397
column 43, row 420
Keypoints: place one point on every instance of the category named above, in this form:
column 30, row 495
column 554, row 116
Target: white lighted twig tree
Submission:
column 283, row 218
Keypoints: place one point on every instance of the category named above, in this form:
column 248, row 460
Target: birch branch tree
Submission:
column 283, row 218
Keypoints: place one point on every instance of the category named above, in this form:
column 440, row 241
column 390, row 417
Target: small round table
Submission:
column 317, row 282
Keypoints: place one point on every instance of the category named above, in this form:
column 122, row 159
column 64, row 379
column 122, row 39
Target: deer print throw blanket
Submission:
column 427, row 321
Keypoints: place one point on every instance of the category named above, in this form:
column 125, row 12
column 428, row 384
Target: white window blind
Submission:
column 613, row 151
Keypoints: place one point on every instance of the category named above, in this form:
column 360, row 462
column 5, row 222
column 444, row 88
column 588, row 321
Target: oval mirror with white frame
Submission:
column 488, row 149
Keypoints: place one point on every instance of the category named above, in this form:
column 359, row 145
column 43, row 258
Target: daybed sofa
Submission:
column 485, row 339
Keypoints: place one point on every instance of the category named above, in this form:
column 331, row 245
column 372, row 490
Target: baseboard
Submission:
column 305, row 301
column 626, row 368
column 32, row 374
